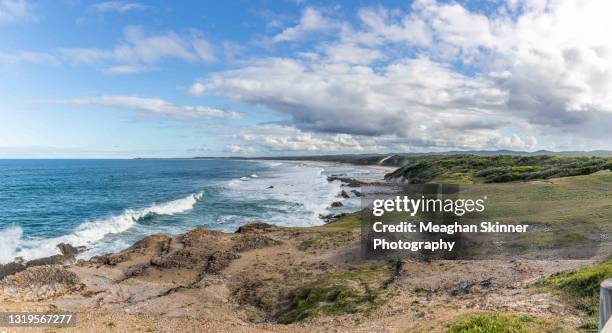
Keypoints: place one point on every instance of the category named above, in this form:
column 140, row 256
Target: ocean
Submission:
column 107, row 205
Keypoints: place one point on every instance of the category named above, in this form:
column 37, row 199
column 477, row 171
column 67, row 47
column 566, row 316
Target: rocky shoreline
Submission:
column 266, row 278
column 68, row 253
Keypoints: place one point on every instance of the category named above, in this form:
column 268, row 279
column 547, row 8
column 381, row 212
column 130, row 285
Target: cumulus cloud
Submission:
column 13, row 10
column 340, row 98
column 139, row 51
column 117, row 6
column 149, row 106
column 440, row 75
column 311, row 21
column 236, row 149
column 278, row 139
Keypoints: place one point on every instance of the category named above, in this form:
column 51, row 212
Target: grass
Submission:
column 356, row 290
column 331, row 235
column 493, row 322
column 534, row 243
column 347, row 222
column 580, row 287
column 468, row 169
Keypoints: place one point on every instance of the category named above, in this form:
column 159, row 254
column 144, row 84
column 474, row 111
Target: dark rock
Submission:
column 52, row 260
column 486, row 283
column 356, row 193
column 354, row 183
column 256, row 227
column 11, row 268
column 337, row 204
column 344, row 194
column 339, row 178
column 269, row 187
column 331, row 217
column 68, row 250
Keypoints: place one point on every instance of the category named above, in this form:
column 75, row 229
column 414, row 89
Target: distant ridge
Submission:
column 568, row 153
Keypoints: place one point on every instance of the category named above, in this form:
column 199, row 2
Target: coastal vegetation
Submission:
column 495, row 322
column 461, row 169
column 355, row 290
column 580, row 288
column 270, row 278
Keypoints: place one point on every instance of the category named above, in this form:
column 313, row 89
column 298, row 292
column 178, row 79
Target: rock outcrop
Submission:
column 40, row 283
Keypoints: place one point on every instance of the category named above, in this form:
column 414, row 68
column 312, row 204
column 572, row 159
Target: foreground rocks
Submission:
column 40, row 283
column 261, row 276
column 67, row 254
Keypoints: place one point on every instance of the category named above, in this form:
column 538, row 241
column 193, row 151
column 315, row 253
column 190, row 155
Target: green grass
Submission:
column 348, row 222
column 356, row 290
column 493, row 322
column 533, row 243
column 467, row 169
column 581, row 287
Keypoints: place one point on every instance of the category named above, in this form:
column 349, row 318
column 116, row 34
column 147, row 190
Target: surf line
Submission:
column 439, row 245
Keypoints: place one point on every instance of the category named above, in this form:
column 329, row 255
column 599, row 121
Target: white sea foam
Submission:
column 12, row 245
column 301, row 189
column 9, row 241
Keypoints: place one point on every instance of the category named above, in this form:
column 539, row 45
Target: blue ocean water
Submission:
column 106, row 205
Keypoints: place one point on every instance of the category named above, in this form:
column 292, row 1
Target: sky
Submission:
column 123, row 79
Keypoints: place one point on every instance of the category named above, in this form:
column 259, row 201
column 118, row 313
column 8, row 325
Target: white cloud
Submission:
column 352, row 54
column 117, row 6
column 280, row 138
column 342, row 98
column 12, row 58
column 149, row 106
column 440, row 75
column 13, row 10
column 275, row 139
column 312, row 21
column 139, row 52
column 236, row 149
column 124, row 69
column 384, row 25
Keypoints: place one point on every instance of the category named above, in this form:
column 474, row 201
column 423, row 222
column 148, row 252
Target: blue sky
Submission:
column 202, row 78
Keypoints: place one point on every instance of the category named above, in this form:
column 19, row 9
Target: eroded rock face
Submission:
column 40, row 283
column 68, row 254
column 11, row 268
column 154, row 245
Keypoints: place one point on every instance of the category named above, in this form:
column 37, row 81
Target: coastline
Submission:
column 267, row 278
column 297, row 196
column 69, row 253
column 256, row 280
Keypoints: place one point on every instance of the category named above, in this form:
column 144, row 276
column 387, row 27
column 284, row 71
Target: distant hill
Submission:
column 476, row 166
column 465, row 168
column 396, row 159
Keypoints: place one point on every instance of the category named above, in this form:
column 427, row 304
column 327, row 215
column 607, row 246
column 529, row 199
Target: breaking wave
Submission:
column 13, row 245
